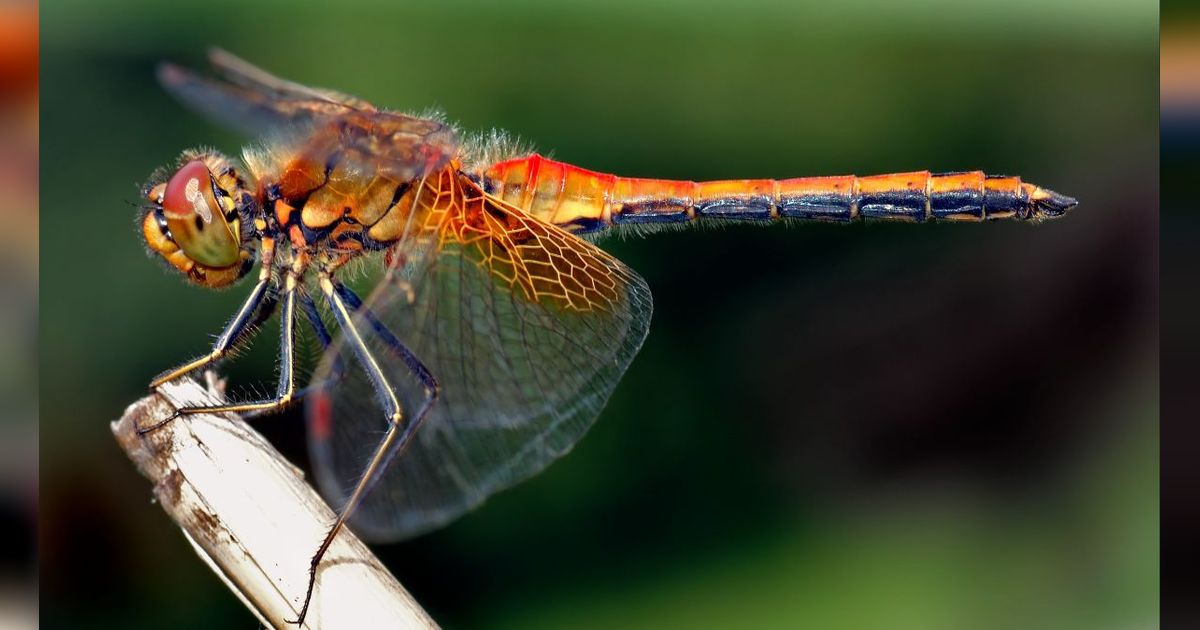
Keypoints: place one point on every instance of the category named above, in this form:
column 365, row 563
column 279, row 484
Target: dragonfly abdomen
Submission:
column 586, row 201
column 916, row 196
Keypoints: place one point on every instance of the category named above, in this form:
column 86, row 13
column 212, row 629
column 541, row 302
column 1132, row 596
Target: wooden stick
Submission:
column 254, row 521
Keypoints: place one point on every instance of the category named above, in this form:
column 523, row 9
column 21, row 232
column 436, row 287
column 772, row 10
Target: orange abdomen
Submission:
column 586, row 201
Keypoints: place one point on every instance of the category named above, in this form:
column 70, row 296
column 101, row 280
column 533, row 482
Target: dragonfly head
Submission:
column 198, row 218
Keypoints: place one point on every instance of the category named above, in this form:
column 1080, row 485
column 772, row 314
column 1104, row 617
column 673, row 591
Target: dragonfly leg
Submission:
column 343, row 302
column 395, row 345
column 233, row 333
column 337, row 370
column 286, row 389
column 249, row 316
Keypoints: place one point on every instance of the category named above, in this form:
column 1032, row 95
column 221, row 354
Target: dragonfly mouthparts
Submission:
column 1051, row 204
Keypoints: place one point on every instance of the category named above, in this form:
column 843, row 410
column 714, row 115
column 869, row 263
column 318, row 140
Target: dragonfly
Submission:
column 497, row 329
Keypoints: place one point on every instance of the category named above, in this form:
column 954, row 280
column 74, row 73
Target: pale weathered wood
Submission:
column 255, row 521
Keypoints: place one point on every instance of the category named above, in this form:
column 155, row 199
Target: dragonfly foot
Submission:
column 161, row 423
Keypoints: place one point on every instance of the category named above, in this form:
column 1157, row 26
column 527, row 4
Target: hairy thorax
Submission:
column 328, row 196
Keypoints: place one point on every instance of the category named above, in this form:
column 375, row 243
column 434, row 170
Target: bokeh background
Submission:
column 1180, row 339
column 18, row 311
column 936, row 426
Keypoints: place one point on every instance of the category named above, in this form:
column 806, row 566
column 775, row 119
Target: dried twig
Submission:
column 255, row 521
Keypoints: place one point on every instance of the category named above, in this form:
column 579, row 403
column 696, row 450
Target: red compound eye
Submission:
column 189, row 193
column 196, row 219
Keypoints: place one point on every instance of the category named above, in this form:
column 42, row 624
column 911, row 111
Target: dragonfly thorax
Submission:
column 334, row 206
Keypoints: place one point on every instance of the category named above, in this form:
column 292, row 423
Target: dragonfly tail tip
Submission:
column 1051, row 204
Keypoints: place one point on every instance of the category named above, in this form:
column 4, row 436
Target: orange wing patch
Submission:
column 548, row 264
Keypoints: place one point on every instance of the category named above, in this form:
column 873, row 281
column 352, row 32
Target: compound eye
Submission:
column 196, row 219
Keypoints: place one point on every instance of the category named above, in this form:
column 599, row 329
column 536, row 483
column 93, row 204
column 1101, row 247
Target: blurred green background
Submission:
column 886, row 426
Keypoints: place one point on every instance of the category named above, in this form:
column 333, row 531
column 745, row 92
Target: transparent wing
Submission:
column 257, row 103
column 527, row 329
column 251, row 77
column 253, row 101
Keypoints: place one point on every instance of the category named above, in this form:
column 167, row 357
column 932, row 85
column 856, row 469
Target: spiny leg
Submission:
column 229, row 337
column 234, row 331
column 393, row 344
column 396, row 347
column 337, row 370
column 285, row 391
column 398, row 433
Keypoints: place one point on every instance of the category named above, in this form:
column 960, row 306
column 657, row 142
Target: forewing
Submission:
column 251, row 77
column 249, row 105
column 527, row 330
column 317, row 123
